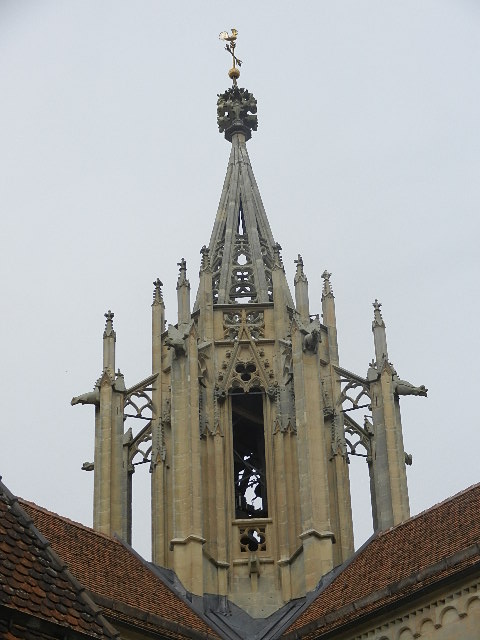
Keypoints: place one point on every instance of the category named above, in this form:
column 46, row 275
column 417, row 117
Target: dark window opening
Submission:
column 249, row 455
column 241, row 228
column 253, row 539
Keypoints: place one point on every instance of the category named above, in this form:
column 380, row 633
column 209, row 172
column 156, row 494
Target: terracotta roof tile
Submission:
column 414, row 550
column 33, row 581
column 108, row 569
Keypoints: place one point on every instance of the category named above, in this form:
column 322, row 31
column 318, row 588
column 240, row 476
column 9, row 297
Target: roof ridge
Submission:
column 67, row 520
column 429, row 509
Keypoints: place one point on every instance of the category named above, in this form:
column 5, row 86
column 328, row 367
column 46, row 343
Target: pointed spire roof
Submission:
column 241, row 251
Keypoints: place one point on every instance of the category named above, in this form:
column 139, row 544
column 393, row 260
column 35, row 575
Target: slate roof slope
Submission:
column 119, row 580
column 36, row 587
column 436, row 544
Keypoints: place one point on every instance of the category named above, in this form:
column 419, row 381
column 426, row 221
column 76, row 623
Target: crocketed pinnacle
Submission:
column 377, row 315
column 157, row 291
column 299, row 273
column 182, row 274
column 327, row 285
column 109, row 324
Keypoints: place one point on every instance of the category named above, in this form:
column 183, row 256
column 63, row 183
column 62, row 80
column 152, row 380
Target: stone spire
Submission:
column 241, row 250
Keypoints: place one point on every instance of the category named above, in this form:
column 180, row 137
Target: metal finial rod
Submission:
column 234, row 72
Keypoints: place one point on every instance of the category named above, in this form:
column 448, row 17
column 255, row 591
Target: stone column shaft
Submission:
column 341, row 504
column 316, row 535
column 159, row 537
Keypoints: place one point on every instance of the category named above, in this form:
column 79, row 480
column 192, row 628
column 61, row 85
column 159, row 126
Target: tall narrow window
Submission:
column 249, row 455
column 241, row 228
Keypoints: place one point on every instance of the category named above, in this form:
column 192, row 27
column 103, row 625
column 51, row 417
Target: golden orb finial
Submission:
column 234, row 72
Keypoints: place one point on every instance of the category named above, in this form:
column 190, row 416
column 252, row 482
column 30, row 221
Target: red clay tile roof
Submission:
column 114, row 574
column 411, row 556
column 34, row 582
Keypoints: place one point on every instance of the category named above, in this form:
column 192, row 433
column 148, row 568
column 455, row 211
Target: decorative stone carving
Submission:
column 175, row 340
column 254, row 320
column 372, row 373
column 377, row 314
column 205, row 253
column 299, row 273
column 137, row 446
column 109, row 331
column 338, row 439
column 138, row 406
column 167, row 413
column 202, row 369
column 400, row 387
column 311, row 334
column 220, row 394
column 157, row 291
column 327, row 290
column 311, row 340
column 235, row 113
column 182, row 274
column 404, row 388
column 358, row 437
column 252, row 538
column 355, row 391
column 92, row 397
column 138, row 400
column 287, row 363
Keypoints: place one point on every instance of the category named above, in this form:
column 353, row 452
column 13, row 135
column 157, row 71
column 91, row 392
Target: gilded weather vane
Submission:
column 234, row 72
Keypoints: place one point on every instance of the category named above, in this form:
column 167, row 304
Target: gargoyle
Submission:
column 404, row 388
column 92, row 397
column 272, row 391
column 311, row 340
column 175, row 340
column 311, row 335
column 220, row 394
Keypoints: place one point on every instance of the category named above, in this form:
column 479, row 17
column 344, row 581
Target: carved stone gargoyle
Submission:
column 220, row 394
column 92, row 397
column 405, row 388
column 311, row 336
column 400, row 387
column 175, row 340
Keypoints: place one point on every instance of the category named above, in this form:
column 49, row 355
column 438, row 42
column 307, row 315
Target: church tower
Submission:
column 248, row 418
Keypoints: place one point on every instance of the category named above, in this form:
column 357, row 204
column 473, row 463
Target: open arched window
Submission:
column 249, row 467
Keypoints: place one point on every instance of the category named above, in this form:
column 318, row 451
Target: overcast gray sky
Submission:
column 111, row 166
